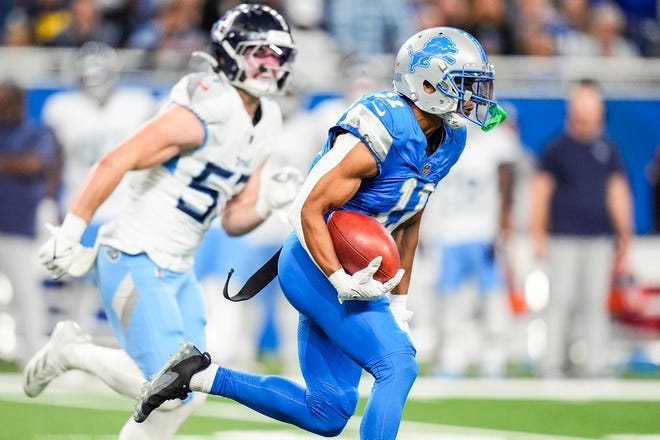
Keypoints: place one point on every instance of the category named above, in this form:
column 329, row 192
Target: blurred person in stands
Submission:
column 201, row 157
column 598, row 30
column 471, row 218
column 370, row 27
column 530, row 18
column 574, row 37
column 534, row 40
column 491, row 27
column 17, row 30
column 580, row 224
column 28, row 157
column 653, row 175
column 88, row 121
column 86, row 24
column 49, row 18
column 607, row 26
column 172, row 34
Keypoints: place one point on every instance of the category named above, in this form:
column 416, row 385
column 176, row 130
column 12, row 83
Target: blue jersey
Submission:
column 386, row 124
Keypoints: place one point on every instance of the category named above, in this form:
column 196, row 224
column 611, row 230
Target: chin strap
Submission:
column 454, row 120
column 496, row 115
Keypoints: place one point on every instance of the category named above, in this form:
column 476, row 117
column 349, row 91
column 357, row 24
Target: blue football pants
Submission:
column 151, row 309
column 335, row 342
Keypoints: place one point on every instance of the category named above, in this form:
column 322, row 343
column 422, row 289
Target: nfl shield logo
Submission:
column 426, row 169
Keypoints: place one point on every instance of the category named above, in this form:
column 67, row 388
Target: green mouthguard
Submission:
column 496, row 114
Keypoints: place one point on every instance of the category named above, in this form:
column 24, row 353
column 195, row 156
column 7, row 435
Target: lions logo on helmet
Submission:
column 456, row 66
column 437, row 47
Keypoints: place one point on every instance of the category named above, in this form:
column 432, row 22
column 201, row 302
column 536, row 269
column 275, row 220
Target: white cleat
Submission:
column 50, row 361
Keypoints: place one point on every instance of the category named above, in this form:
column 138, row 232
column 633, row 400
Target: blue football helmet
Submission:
column 241, row 36
column 455, row 64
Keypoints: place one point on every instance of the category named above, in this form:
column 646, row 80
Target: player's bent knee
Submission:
column 334, row 411
column 401, row 368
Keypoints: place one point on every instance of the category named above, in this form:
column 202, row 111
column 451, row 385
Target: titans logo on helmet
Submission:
column 440, row 46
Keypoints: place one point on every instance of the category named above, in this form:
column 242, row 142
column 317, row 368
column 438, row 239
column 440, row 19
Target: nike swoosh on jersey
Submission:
column 378, row 110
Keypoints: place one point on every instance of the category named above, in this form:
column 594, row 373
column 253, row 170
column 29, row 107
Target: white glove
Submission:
column 361, row 285
column 278, row 190
column 63, row 253
column 401, row 314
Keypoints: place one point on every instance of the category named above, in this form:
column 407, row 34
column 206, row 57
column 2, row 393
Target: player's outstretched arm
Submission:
column 160, row 139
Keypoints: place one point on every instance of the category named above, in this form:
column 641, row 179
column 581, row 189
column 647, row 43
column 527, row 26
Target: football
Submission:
column 358, row 239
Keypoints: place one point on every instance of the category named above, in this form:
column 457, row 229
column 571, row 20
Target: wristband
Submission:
column 398, row 302
column 73, row 227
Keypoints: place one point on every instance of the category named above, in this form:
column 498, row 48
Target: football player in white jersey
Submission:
column 201, row 156
column 470, row 214
column 88, row 121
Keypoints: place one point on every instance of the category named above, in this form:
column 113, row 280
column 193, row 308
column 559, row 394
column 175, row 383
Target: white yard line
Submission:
column 430, row 388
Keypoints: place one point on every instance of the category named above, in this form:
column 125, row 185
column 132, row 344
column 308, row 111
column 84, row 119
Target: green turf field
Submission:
column 587, row 411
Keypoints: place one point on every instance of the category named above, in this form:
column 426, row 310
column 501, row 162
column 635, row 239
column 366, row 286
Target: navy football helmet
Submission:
column 243, row 38
column 455, row 64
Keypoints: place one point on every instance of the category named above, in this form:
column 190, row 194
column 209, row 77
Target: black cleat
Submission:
column 172, row 381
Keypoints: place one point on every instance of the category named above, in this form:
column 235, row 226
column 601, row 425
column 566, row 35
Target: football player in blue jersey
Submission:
column 384, row 157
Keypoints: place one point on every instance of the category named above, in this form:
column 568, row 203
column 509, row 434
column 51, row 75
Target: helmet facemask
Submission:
column 474, row 83
column 263, row 67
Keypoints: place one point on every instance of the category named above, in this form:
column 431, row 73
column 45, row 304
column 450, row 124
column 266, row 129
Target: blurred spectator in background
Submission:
column 607, row 27
column 574, row 38
column 580, row 199
column 457, row 13
column 88, row 121
column 529, row 18
column 86, row 24
column 28, row 156
column 17, row 31
column 653, row 175
column 172, row 34
column 49, row 17
column 429, row 14
column 491, row 28
column 534, row 40
column 370, row 27
column 471, row 217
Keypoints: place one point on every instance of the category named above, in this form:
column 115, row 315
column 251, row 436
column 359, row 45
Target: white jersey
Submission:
column 87, row 130
column 466, row 205
column 173, row 204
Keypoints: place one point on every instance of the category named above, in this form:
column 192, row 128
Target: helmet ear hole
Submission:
column 428, row 87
